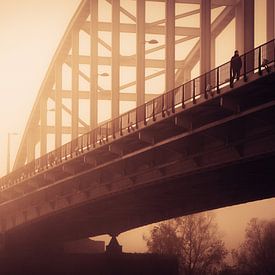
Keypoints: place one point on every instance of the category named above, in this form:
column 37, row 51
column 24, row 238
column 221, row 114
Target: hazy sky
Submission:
column 30, row 31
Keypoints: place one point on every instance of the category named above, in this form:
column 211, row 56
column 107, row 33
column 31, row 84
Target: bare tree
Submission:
column 256, row 255
column 193, row 239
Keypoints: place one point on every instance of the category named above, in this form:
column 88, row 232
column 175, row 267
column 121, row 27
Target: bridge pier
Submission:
column 114, row 247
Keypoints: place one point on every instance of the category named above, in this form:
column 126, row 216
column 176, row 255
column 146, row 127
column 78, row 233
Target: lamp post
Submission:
column 152, row 41
column 103, row 74
column 8, row 150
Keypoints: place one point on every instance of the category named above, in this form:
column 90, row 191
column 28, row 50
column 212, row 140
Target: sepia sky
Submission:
column 30, row 31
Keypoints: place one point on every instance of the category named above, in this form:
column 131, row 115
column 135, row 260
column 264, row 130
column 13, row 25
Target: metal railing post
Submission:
column 218, row 80
column 244, row 70
column 194, row 91
column 154, row 117
column 259, row 61
column 182, row 97
column 162, row 105
column 144, row 114
column 120, row 126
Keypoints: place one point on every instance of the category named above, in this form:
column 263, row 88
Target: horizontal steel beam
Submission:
column 213, row 2
column 125, row 61
column 65, row 130
column 150, row 29
column 106, row 95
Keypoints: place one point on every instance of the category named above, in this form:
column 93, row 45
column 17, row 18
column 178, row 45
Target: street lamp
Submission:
column 152, row 41
column 103, row 74
column 8, row 150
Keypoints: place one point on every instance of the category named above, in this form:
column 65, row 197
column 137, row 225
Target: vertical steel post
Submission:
column 43, row 125
column 205, row 41
column 270, row 21
column 213, row 53
column 58, row 104
column 115, row 56
column 31, row 142
column 187, row 78
column 140, row 56
column 270, row 28
column 75, row 82
column 93, row 62
column 244, row 32
column 8, row 154
column 170, row 45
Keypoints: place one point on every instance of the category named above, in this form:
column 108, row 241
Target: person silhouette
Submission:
column 235, row 67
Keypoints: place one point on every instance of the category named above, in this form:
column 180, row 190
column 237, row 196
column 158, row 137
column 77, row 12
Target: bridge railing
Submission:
column 206, row 85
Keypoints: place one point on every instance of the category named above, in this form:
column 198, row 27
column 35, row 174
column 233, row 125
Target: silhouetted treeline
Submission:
column 256, row 255
column 197, row 243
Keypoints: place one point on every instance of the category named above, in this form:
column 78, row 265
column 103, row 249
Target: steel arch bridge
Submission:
column 214, row 131
column 71, row 95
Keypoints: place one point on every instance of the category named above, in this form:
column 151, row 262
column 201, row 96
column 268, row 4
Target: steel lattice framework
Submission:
column 91, row 48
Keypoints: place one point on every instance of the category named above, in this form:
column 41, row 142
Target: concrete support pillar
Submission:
column 43, row 125
column 170, row 45
column 58, row 105
column 75, row 82
column 270, row 21
column 140, row 60
column 244, row 32
column 205, row 41
column 93, row 63
column 115, row 57
column 113, row 247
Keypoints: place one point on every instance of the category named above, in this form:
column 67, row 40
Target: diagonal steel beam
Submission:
column 131, row 28
column 179, row 16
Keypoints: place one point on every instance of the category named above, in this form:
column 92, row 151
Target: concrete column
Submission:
column 75, row 82
column 270, row 21
column 58, row 105
column 140, row 57
column 170, row 45
column 205, row 41
column 244, row 32
column 93, row 62
column 115, row 57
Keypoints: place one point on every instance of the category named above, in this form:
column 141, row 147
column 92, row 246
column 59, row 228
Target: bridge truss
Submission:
column 114, row 51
